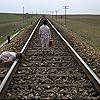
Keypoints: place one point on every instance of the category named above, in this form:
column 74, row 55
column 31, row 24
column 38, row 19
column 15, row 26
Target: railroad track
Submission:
column 57, row 74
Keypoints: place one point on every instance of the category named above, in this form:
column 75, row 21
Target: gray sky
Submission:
column 43, row 6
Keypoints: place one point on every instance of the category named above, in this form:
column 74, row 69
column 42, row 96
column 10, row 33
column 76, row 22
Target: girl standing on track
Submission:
column 45, row 35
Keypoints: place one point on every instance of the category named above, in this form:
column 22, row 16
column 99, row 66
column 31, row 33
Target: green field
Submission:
column 84, row 27
column 11, row 23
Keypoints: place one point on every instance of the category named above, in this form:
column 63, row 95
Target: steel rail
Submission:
column 92, row 76
column 14, row 66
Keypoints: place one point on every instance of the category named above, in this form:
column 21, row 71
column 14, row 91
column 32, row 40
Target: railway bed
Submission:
column 55, row 74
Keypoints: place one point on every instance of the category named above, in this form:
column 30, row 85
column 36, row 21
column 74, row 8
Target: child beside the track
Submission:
column 7, row 57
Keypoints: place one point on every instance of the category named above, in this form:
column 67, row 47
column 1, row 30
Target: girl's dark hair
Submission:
column 0, row 61
column 44, row 22
column 19, row 55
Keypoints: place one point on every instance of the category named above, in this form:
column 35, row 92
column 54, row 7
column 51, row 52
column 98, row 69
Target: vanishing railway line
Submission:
column 56, row 74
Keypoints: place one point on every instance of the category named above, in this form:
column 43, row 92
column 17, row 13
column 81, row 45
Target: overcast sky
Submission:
column 44, row 6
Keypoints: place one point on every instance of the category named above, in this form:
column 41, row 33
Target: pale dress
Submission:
column 8, row 56
column 45, row 36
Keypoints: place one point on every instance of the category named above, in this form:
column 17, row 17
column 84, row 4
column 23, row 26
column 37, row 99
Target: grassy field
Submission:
column 84, row 27
column 11, row 23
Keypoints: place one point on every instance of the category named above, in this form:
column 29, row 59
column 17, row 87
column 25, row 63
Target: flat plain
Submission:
column 12, row 23
column 84, row 27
